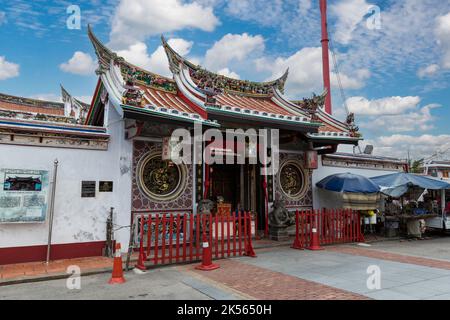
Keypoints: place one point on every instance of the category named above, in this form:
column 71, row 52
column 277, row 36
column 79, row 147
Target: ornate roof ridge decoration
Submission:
column 314, row 106
column 23, row 115
column 31, row 102
column 212, row 83
column 76, row 108
column 144, row 77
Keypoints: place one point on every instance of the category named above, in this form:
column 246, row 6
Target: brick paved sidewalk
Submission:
column 384, row 255
column 36, row 270
column 264, row 284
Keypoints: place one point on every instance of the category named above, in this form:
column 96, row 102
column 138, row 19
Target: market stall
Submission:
column 352, row 191
column 412, row 202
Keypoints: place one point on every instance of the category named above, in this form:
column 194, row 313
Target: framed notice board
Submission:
column 105, row 186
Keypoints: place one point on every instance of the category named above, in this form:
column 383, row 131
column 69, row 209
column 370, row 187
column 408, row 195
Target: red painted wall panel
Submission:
column 58, row 251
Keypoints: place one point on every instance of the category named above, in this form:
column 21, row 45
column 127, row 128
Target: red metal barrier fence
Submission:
column 177, row 238
column 333, row 226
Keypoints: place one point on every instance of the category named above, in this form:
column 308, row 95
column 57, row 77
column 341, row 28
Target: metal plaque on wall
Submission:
column 105, row 186
column 88, row 189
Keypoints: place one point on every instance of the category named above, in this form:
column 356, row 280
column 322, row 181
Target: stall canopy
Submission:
column 348, row 182
column 397, row 184
column 351, row 191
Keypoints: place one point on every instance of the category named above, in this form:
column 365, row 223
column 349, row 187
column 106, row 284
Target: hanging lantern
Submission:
column 311, row 159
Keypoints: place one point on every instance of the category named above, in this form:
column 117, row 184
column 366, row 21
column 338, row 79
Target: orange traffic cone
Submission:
column 315, row 243
column 207, row 264
column 117, row 274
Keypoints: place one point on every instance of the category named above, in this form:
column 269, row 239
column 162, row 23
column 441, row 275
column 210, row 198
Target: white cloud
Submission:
column 228, row 73
column 349, row 15
column 156, row 62
column 85, row 99
column 8, row 69
column 418, row 120
column 2, row 17
column 304, row 6
column 384, row 106
column 405, row 42
column 233, row 47
column 263, row 12
column 443, row 36
column 135, row 20
column 398, row 145
column 305, row 72
column 81, row 63
column 428, row 71
column 47, row 97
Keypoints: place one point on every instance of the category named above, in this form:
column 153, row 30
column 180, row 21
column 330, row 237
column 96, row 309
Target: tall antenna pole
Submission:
column 325, row 56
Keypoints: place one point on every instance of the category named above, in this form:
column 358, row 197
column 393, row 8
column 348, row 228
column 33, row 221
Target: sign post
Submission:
column 52, row 209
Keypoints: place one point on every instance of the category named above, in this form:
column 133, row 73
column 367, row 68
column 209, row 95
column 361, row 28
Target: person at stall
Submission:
column 428, row 205
column 392, row 208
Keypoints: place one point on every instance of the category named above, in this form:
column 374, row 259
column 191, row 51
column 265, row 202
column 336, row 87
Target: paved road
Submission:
column 339, row 272
column 435, row 248
column 159, row 284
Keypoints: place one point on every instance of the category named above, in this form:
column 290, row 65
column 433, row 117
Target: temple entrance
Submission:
column 235, row 185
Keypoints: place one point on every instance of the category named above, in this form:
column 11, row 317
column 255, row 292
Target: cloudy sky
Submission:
column 393, row 55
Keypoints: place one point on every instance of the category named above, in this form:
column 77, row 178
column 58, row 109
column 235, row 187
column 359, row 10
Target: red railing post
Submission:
column 234, row 234
column 163, row 238
column 149, row 235
column 297, row 245
column 140, row 264
column 249, row 249
column 302, row 228
column 216, row 229
column 197, row 236
column 240, row 232
column 222, row 236
column 245, row 231
column 228, row 235
column 191, row 237
column 210, row 219
column 156, row 253
column 185, row 236
column 170, row 237
column 177, row 250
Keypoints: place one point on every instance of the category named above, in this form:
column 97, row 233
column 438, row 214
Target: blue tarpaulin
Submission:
column 348, row 182
column 397, row 184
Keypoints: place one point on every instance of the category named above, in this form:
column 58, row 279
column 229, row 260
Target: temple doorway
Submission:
column 236, row 185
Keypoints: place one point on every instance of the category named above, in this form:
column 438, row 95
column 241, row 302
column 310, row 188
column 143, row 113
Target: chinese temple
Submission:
column 153, row 106
column 121, row 141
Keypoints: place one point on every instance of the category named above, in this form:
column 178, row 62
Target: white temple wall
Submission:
column 76, row 219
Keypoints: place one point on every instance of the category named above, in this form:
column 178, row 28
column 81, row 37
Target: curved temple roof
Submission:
column 199, row 94
column 205, row 79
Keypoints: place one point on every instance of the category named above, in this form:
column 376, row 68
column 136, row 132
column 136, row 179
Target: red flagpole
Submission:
column 325, row 56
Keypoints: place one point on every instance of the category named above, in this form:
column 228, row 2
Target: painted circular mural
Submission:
column 292, row 180
column 161, row 180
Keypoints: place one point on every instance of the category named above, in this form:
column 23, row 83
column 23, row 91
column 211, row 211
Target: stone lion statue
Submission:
column 205, row 206
column 280, row 216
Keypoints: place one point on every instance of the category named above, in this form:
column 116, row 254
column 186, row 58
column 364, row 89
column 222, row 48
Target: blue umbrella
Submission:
column 397, row 184
column 348, row 182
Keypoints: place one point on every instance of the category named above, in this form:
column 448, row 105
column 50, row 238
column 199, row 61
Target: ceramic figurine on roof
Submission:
column 313, row 104
column 351, row 124
column 132, row 95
